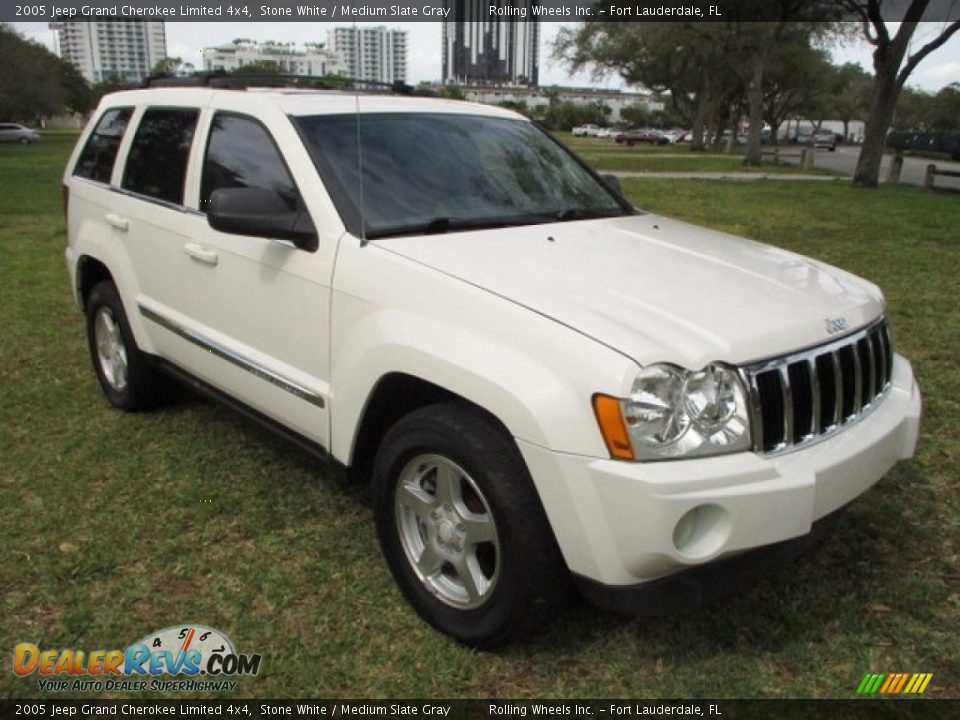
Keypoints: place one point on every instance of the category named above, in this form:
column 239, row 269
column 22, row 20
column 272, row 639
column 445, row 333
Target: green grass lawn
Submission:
column 116, row 525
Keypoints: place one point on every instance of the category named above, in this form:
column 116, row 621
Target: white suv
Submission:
column 543, row 383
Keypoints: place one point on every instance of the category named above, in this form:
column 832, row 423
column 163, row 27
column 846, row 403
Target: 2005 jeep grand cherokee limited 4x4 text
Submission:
column 543, row 383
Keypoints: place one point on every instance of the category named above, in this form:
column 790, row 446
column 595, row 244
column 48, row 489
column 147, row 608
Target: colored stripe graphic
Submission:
column 894, row 683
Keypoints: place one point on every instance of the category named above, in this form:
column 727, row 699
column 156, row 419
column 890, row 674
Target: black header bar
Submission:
column 393, row 11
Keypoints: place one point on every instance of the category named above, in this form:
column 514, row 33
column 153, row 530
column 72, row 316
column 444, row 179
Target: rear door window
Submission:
column 98, row 155
column 157, row 162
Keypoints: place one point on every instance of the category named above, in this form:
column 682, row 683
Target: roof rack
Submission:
column 221, row 80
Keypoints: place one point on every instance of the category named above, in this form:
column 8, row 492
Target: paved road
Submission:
column 914, row 169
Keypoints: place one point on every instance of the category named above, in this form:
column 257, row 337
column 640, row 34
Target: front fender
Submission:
column 535, row 375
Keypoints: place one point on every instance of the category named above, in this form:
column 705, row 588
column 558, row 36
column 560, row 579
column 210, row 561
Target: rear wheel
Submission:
column 462, row 527
column 125, row 375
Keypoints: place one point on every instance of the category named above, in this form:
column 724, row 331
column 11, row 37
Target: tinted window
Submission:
column 96, row 160
column 441, row 172
column 241, row 154
column 157, row 163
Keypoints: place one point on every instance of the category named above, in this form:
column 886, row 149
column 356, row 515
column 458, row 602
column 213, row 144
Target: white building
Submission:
column 122, row 49
column 490, row 52
column 371, row 53
column 313, row 59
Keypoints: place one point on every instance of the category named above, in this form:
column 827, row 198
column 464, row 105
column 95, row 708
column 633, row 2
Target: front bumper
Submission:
column 623, row 523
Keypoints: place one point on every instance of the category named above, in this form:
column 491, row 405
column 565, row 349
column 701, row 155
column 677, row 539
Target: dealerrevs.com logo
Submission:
column 205, row 656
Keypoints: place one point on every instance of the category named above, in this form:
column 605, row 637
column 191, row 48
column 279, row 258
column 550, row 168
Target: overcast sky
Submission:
column 187, row 39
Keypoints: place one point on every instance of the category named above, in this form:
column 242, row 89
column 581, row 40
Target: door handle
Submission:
column 200, row 254
column 117, row 221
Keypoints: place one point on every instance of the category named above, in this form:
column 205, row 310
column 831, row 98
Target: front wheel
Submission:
column 462, row 528
column 127, row 379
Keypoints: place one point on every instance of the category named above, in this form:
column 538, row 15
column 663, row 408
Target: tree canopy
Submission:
column 36, row 83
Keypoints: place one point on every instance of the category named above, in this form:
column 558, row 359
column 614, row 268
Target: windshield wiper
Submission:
column 441, row 225
column 588, row 213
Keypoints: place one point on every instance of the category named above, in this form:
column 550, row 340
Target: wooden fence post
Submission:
column 928, row 178
column 896, row 165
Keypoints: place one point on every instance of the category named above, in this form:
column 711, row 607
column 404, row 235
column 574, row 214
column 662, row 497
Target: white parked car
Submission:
column 12, row 132
column 588, row 130
column 542, row 382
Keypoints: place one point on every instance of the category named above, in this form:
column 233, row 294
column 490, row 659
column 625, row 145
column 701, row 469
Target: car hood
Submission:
column 656, row 289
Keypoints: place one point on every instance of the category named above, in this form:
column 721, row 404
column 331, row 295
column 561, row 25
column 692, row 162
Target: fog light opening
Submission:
column 702, row 531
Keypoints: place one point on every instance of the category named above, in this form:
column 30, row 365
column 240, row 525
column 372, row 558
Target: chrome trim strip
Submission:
column 871, row 375
column 756, row 413
column 857, row 379
column 882, row 337
column 254, row 368
column 786, row 394
column 837, row 389
column 781, row 365
column 814, row 397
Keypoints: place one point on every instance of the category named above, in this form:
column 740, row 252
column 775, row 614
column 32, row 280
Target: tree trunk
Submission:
column 883, row 102
column 755, row 104
column 699, row 118
column 774, row 133
column 846, row 131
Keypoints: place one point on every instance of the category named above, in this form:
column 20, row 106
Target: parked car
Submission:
column 646, row 135
column 588, row 130
column 12, row 132
column 561, row 391
column 824, row 139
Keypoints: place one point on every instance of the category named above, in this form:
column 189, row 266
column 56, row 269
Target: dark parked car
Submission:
column 11, row 132
column 824, row 139
column 632, row 137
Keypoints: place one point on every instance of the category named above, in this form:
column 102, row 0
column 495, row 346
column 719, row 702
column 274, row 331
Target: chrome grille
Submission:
column 799, row 398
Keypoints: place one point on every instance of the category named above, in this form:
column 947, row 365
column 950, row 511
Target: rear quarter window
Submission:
column 98, row 155
column 157, row 162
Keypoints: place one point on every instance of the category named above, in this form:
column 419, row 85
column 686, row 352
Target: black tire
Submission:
column 522, row 567
column 139, row 386
column 24, row 141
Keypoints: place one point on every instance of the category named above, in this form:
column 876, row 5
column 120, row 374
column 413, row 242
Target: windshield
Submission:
column 426, row 173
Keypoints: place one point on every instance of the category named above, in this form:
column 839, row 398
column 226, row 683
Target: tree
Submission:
column 167, row 66
column 78, row 95
column 676, row 58
column 30, row 78
column 848, row 94
column 451, row 92
column 258, row 67
column 706, row 67
column 892, row 66
column 945, row 110
column 793, row 83
column 758, row 31
column 914, row 110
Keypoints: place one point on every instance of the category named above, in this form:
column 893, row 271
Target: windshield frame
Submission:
column 350, row 212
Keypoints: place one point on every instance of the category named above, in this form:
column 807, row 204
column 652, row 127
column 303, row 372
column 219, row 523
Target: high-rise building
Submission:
column 490, row 52
column 371, row 53
column 314, row 59
column 122, row 49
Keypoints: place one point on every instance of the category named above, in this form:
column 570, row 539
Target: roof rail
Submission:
column 239, row 81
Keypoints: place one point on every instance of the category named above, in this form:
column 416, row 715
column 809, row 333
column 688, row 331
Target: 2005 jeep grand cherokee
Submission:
column 543, row 383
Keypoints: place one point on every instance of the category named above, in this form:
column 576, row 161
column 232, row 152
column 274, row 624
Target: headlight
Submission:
column 674, row 413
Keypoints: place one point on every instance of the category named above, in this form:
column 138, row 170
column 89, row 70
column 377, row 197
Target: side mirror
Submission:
column 262, row 213
column 612, row 182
